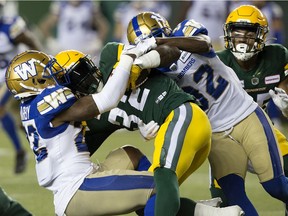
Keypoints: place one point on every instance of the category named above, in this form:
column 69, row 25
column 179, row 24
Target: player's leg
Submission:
column 174, row 151
column 216, row 190
column 126, row 157
column 10, row 128
column 268, row 164
column 227, row 158
column 112, row 192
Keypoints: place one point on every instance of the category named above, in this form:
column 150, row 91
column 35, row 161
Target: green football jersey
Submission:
column 153, row 100
column 266, row 75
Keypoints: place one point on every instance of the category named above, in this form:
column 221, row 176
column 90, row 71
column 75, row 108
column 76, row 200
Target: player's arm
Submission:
column 279, row 95
column 168, row 50
column 195, row 44
column 162, row 56
column 90, row 106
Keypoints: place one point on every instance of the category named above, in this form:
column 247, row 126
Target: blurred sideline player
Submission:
column 237, row 137
column 13, row 33
column 260, row 67
column 79, row 25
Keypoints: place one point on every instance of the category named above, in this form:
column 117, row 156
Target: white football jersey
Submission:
column 61, row 154
column 216, row 86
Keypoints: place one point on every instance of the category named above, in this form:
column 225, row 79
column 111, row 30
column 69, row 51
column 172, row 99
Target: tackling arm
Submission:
column 195, row 44
column 90, row 106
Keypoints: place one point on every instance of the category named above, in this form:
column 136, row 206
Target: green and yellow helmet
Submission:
column 79, row 72
column 250, row 18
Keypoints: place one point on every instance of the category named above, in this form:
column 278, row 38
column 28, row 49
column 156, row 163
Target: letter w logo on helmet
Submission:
column 26, row 68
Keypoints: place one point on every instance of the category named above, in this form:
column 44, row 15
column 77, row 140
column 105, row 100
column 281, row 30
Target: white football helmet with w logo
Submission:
column 28, row 74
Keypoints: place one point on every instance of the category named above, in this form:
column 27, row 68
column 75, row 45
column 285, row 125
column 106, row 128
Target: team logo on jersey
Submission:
column 272, row 79
column 255, row 81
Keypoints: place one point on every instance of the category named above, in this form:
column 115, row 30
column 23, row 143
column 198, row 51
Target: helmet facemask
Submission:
column 83, row 77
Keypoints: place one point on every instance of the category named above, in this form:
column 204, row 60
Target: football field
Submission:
column 24, row 187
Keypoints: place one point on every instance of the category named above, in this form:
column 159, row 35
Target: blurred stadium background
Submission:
column 34, row 11
column 24, row 187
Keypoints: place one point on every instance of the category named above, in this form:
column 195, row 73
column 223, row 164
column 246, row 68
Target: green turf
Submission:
column 39, row 201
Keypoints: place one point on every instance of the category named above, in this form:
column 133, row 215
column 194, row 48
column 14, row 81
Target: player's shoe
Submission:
column 21, row 161
column 230, row 211
column 202, row 209
column 215, row 202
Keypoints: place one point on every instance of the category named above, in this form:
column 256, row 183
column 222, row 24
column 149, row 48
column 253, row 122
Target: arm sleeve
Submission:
column 115, row 88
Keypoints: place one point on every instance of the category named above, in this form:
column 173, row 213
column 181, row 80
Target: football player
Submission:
column 157, row 99
column 241, row 130
column 52, row 115
column 13, row 33
column 260, row 67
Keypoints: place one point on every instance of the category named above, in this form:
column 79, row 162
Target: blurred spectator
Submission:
column 13, row 34
column 274, row 14
column 79, row 25
column 212, row 14
column 127, row 10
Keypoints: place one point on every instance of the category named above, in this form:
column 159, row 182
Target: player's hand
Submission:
column 280, row 98
column 142, row 47
column 148, row 131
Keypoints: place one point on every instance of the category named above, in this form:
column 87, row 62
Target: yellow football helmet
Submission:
column 147, row 24
column 247, row 17
column 28, row 74
column 80, row 73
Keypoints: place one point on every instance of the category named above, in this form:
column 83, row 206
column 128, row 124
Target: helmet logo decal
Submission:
column 26, row 68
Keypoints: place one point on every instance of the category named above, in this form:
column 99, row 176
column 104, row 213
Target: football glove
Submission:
column 137, row 77
column 280, row 98
column 148, row 131
column 142, row 47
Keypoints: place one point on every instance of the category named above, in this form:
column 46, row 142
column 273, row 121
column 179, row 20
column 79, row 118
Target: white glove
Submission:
column 142, row 47
column 280, row 98
column 148, row 131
